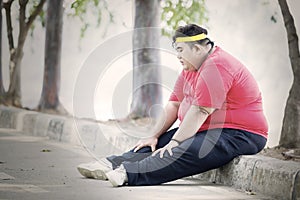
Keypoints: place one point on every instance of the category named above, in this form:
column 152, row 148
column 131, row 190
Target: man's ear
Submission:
column 197, row 48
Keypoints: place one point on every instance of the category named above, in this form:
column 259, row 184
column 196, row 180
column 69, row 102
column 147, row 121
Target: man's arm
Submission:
column 167, row 118
column 165, row 121
column 190, row 125
column 192, row 121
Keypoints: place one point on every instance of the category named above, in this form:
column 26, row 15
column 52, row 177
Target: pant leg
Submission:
column 246, row 143
column 144, row 152
column 205, row 151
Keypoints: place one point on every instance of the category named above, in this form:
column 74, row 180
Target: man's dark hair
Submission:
column 191, row 30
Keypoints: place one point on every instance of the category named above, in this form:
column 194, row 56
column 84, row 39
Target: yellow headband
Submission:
column 191, row 38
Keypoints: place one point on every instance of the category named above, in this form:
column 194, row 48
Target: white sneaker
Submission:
column 95, row 169
column 117, row 177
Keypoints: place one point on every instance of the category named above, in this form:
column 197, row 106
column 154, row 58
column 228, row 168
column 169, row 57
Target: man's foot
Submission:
column 96, row 169
column 117, row 177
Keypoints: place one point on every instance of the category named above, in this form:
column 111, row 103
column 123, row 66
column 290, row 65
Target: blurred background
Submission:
column 251, row 30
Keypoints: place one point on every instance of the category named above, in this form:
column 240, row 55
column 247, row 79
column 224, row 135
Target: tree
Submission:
column 147, row 91
column 146, row 60
column 13, row 96
column 290, row 133
column 50, row 93
column 2, row 92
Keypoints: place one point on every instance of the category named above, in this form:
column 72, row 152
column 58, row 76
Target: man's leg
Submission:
column 142, row 153
column 98, row 169
column 203, row 152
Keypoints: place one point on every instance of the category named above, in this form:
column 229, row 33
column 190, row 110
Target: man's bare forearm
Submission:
column 193, row 120
column 167, row 118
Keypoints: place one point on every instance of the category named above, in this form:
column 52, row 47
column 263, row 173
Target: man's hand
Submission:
column 168, row 148
column 151, row 142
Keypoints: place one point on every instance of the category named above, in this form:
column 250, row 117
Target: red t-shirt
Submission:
column 222, row 82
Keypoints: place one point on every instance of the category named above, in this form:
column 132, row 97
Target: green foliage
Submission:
column 30, row 7
column 41, row 18
column 174, row 13
column 179, row 12
column 33, row 5
column 81, row 9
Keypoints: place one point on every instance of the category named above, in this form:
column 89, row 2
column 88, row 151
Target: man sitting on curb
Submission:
column 220, row 108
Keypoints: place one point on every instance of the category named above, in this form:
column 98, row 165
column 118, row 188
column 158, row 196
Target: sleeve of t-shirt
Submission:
column 177, row 94
column 212, row 86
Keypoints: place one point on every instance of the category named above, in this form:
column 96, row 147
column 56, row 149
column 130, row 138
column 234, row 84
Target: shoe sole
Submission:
column 99, row 174
column 84, row 172
column 96, row 174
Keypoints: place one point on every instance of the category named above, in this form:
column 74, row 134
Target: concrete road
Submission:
column 36, row 168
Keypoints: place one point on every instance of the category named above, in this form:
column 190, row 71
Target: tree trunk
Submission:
column 290, row 133
column 12, row 64
column 2, row 91
column 13, row 96
column 146, row 59
column 49, row 101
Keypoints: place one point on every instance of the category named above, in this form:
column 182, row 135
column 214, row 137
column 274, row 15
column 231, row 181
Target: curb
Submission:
column 269, row 176
column 81, row 132
column 255, row 173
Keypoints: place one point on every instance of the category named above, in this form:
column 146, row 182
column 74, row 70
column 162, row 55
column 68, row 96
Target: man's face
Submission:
column 187, row 56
